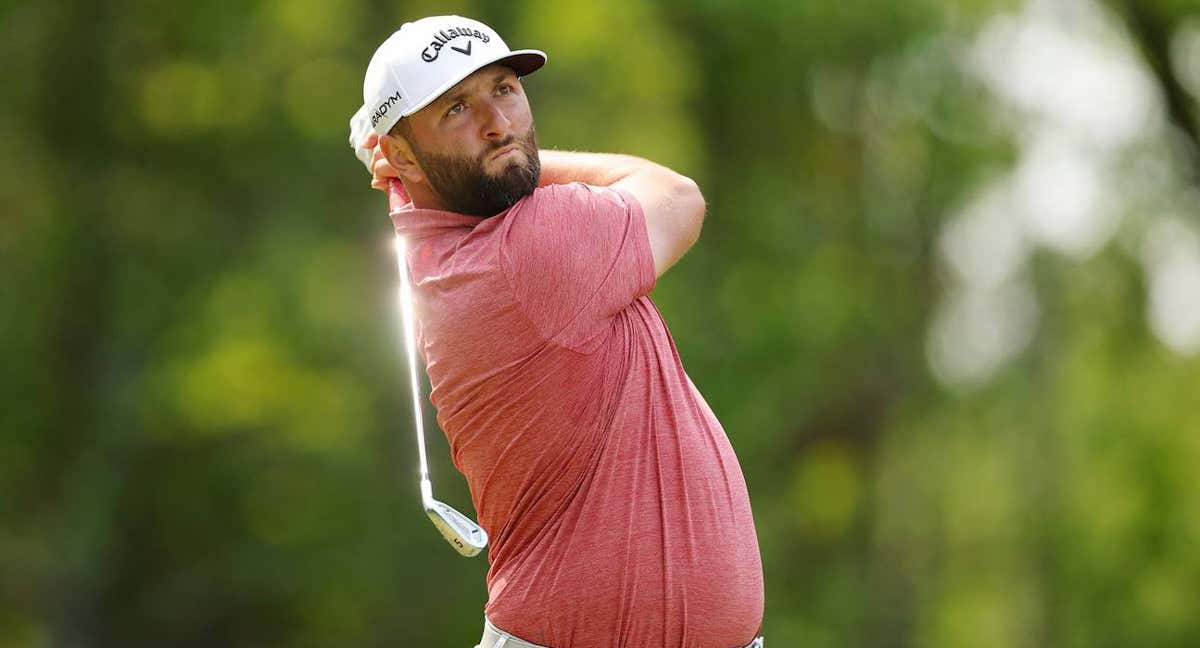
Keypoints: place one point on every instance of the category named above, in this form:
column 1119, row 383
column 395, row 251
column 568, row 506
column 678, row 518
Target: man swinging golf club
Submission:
column 616, row 509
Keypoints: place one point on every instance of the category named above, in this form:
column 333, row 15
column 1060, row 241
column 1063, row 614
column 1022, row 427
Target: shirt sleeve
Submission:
column 575, row 255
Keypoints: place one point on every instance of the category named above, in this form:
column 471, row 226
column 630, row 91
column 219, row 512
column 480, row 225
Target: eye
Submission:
column 456, row 108
column 505, row 89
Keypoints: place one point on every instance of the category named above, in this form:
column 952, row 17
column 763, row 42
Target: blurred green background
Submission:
column 946, row 305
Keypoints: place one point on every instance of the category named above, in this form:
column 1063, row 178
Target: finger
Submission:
column 384, row 169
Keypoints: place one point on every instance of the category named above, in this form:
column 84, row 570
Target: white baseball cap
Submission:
column 422, row 60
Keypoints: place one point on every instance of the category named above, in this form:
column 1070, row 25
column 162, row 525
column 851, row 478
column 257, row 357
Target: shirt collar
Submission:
column 417, row 223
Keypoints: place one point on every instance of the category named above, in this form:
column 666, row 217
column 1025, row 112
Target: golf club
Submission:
column 467, row 537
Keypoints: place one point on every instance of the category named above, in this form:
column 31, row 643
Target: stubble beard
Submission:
column 465, row 186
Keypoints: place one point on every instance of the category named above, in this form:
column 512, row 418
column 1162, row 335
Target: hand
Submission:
column 381, row 169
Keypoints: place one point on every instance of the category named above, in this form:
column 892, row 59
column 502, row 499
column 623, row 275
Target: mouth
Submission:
column 511, row 148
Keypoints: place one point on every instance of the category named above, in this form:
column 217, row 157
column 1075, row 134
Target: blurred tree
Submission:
column 201, row 409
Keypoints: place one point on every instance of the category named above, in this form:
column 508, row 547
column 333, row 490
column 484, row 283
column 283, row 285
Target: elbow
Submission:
column 674, row 214
column 692, row 206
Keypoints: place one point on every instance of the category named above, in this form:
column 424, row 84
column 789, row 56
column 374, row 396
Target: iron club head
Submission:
column 467, row 537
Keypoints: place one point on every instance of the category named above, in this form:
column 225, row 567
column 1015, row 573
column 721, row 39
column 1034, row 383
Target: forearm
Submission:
column 671, row 204
column 600, row 169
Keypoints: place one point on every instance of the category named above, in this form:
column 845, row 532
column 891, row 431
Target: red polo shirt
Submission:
column 617, row 512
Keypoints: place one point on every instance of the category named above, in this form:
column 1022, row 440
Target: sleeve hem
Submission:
column 649, row 278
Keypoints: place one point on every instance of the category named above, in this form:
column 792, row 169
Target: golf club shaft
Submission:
column 408, row 317
column 466, row 536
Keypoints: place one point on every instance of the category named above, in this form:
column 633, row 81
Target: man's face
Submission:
column 476, row 143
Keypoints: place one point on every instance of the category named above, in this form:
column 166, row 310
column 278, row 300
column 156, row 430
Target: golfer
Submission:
column 617, row 511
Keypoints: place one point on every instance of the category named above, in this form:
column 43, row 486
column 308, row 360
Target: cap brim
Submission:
column 522, row 62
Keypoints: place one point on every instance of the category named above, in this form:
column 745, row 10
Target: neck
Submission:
column 422, row 197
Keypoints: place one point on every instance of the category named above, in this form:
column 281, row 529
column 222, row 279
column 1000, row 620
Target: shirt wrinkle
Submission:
column 599, row 472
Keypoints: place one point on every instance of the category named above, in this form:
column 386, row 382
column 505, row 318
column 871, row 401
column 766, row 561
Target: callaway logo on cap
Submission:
column 422, row 60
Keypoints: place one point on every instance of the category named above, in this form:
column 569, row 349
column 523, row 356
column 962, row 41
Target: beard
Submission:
column 466, row 187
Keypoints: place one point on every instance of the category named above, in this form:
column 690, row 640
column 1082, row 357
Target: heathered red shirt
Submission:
column 616, row 509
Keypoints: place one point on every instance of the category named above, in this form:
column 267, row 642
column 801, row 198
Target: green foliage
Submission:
column 204, row 411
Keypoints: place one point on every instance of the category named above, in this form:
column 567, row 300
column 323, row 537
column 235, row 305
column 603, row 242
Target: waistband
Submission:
column 494, row 637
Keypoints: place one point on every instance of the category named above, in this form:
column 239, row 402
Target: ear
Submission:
column 400, row 155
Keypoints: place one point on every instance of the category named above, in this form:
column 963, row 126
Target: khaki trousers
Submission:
column 494, row 637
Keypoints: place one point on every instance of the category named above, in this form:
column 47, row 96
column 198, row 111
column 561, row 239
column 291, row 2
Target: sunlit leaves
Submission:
column 594, row 95
column 181, row 96
column 826, row 492
column 318, row 96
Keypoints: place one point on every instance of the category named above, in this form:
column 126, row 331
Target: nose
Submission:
column 497, row 125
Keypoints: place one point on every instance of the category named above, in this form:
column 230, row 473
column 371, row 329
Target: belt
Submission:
column 494, row 637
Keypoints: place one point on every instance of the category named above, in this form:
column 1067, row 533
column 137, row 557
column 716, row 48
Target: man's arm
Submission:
column 672, row 203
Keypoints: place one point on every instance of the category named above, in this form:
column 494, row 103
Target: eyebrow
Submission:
column 451, row 99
